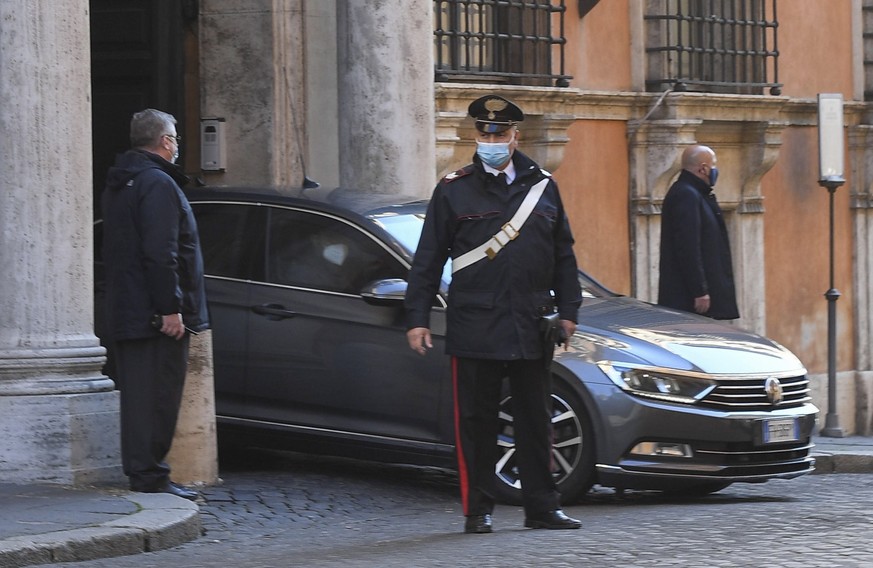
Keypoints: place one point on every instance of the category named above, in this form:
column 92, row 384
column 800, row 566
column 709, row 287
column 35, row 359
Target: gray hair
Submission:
column 147, row 127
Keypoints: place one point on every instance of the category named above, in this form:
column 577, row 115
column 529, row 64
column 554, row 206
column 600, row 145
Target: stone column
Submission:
column 386, row 98
column 58, row 413
column 860, row 156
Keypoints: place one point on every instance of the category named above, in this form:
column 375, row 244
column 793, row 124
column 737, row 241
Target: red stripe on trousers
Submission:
column 463, row 476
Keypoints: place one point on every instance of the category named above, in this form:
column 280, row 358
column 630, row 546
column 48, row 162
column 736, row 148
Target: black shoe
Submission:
column 551, row 520
column 180, row 491
column 172, row 489
column 478, row 524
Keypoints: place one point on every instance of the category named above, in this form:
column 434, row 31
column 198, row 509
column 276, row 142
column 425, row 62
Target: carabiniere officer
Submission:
column 506, row 264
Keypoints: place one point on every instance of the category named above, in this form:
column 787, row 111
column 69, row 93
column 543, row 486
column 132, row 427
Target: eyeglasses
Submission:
column 176, row 138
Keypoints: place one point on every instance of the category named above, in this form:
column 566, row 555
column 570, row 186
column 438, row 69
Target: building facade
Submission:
column 373, row 95
column 613, row 92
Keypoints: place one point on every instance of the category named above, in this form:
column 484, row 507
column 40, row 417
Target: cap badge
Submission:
column 493, row 106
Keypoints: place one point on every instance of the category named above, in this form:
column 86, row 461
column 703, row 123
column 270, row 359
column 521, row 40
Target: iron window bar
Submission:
column 867, row 35
column 727, row 46
column 507, row 41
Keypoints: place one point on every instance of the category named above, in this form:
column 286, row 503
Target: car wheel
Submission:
column 572, row 448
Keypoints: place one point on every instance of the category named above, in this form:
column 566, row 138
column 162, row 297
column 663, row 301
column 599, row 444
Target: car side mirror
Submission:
column 387, row 291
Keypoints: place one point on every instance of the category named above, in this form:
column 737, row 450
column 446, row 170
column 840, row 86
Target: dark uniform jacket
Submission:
column 151, row 249
column 695, row 250
column 495, row 305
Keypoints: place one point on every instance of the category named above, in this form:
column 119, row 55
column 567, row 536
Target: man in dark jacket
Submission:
column 504, row 273
column 696, row 270
column 155, row 295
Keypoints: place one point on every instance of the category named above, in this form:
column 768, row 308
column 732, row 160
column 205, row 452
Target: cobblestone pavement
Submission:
column 278, row 509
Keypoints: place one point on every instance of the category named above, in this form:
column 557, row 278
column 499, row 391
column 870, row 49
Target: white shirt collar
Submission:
column 509, row 170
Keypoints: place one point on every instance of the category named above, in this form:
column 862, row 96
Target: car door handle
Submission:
column 273, row 311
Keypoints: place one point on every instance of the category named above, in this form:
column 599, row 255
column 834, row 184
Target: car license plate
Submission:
column 780, row 430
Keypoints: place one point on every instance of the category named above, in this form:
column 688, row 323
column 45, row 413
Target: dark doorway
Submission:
column 137, row 62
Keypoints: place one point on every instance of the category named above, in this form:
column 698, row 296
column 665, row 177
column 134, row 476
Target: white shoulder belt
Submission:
column 507, row 232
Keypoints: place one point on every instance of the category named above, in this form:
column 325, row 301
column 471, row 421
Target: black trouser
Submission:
column 151, row 376
column 477, row 400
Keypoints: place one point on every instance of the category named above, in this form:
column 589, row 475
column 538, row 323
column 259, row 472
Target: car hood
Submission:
column 630, row 331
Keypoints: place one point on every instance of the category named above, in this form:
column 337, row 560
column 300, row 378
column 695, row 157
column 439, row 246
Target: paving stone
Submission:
column 295, row 510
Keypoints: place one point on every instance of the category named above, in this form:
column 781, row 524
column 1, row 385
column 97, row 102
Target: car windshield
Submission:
column 406, row 229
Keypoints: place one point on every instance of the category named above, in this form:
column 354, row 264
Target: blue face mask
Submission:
column 713, row 176
column 494, row 154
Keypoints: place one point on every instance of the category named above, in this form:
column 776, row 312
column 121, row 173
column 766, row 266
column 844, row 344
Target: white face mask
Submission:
column 175, row 148
column 495, row 154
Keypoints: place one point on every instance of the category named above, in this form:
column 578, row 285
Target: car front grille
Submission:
column 747, row 460
column 752, row 393
column 728, row 462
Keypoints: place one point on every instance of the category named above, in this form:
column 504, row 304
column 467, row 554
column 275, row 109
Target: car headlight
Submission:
column 659, row 383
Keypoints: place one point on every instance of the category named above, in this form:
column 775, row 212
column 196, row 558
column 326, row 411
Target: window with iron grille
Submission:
column 717, row 46
column 867, row 14
column 518, row 42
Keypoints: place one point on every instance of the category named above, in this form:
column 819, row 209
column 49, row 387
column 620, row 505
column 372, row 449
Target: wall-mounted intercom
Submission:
column 213, row 150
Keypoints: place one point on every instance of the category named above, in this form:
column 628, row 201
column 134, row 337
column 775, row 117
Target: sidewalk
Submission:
column 43, row 524
column 853, row 454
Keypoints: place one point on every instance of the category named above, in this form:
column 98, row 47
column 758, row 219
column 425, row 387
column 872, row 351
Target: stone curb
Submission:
column 162, row 521
column 861, row 462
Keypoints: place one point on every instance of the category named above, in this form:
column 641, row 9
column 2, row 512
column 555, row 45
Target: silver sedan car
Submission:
column 306, row 291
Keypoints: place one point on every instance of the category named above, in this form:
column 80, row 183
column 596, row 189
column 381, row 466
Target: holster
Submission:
column 552, row 335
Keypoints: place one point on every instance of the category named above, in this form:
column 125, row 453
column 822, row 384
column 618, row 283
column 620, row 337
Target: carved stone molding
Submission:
column 751, row 205
column 543, row 131
column 71, row 370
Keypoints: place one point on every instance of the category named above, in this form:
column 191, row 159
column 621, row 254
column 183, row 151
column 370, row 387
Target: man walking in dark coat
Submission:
column 696, row 269
column 505, row 268
column 155, row 295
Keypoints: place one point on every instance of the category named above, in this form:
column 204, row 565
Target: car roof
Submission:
column 364, row 204
column 361, row 202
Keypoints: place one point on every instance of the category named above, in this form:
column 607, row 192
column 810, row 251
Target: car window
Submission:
column 231, row 238
column 407, row 230
column 317, row 251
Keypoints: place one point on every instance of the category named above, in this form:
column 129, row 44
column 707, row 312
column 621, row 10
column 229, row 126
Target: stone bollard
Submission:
column 193, row 457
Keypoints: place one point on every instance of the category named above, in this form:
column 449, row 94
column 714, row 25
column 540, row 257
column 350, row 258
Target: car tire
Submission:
column 572, row 448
